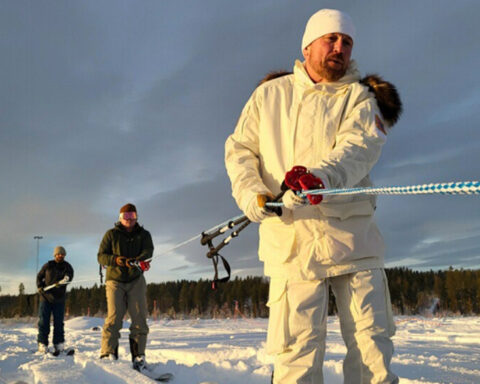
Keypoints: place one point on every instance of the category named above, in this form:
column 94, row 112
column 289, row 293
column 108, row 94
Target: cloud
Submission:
column 107, row 103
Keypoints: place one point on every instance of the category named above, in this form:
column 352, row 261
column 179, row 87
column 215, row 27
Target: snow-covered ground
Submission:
column 443, row 350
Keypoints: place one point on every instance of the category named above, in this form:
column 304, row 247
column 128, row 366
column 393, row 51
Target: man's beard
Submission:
column 331, row 74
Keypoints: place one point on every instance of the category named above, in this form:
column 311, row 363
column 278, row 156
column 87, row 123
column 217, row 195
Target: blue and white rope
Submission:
column 455, row 188
column 452, row 188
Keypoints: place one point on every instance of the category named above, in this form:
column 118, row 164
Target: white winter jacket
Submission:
column 333, row 129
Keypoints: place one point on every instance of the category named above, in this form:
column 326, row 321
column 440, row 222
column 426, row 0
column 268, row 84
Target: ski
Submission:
column 163, row 378
column 66, row 352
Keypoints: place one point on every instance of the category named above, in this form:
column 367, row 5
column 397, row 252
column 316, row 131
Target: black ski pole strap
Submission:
column 214, row 250
column 226, row 266
column 100, row 271
column 214, row 255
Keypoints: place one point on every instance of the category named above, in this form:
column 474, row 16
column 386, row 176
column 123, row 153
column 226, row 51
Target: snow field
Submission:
column 428, row 351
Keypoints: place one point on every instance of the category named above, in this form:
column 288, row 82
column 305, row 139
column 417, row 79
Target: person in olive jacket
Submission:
column 123, row 251
column 52, row 301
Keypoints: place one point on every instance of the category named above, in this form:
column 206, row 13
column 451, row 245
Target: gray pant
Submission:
column 123, row 297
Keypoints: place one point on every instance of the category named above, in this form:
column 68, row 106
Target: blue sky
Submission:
column 108, row 102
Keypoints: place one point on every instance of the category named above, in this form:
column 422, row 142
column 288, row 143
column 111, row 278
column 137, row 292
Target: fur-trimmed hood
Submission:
column 388, row 98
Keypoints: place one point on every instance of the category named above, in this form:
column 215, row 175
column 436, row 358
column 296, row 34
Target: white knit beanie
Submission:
column 327, row 21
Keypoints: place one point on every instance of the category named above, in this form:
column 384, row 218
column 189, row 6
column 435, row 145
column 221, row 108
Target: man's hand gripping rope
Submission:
column 299, row 179
column 260, row 212
column 131, row 262
column 296, row 179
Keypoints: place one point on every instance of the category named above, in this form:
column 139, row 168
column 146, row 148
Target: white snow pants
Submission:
column 297, row 328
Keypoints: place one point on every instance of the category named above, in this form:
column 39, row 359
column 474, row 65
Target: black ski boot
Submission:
column 139, row 364
column 138, row 360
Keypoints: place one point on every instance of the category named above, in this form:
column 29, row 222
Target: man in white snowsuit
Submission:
column 322, row 118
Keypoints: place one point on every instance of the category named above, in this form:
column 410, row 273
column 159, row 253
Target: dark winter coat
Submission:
column 117, row 241
column 51, row 273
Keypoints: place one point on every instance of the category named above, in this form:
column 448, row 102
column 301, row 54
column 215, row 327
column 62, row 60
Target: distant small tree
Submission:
column 171, row 313
column 22, row 300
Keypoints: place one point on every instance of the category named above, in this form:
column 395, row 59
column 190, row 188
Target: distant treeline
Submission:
column 453, row 291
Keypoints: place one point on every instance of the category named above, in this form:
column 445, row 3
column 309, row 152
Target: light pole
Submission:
column 38, row 238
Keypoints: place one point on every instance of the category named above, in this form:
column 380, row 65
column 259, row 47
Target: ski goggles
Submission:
column 128, row 215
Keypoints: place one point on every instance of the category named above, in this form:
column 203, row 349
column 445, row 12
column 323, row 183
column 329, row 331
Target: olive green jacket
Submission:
column 117, row 241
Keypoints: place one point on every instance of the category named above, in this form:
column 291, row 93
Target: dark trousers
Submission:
column 46, row 310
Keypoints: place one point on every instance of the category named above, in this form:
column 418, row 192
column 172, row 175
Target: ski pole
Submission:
column 57, row 284
column 206, row 237
column 243, row 221
column 214, row 250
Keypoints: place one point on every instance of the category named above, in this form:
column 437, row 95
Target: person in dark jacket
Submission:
column 123, row 251
column 52, row 301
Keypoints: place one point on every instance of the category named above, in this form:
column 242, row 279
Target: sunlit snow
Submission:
column 232, row 351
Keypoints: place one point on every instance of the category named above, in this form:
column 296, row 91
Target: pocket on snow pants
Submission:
column 278, row 332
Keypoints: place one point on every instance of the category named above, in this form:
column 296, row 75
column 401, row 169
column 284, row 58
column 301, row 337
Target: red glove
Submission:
column 292, row 177
column 309, row 181
column 134, row 263
column 144, row 265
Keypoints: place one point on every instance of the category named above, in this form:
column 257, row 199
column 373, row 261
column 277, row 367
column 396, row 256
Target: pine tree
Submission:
column 451, row 289
column 183, row 300
column 22, row 300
